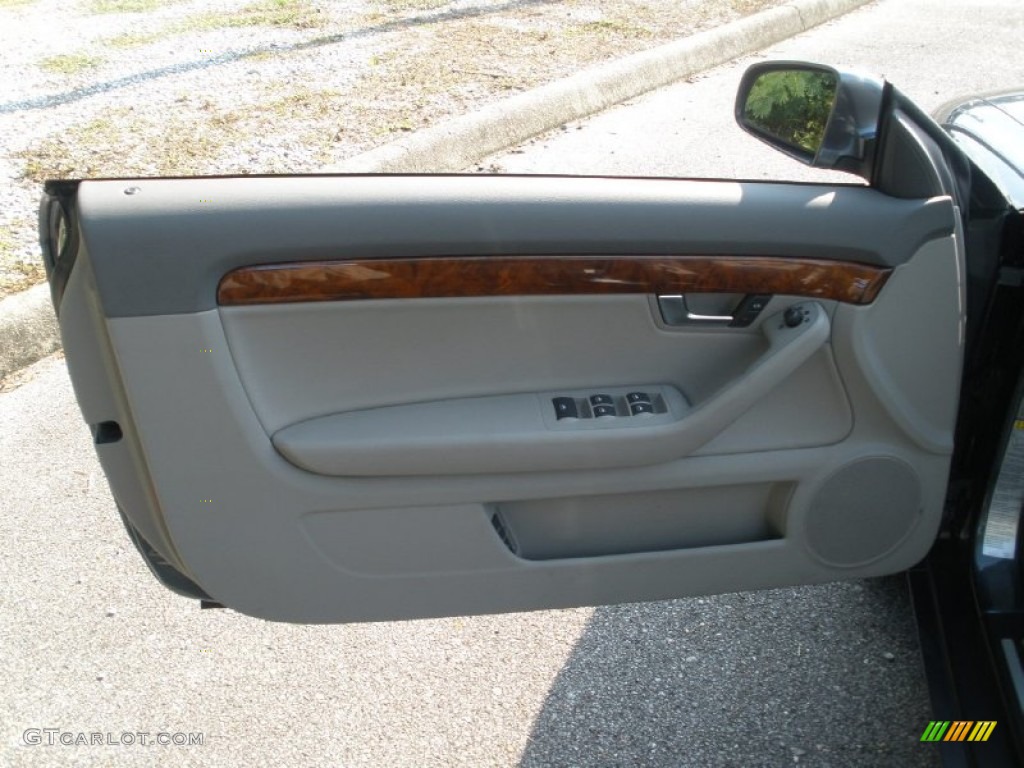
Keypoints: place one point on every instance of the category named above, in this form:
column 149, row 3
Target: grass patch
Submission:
column 313, row 115
column 610, row 28
column 79, row 152
column 124, row 144
column 16, row 275
column 204, row 139
column 297, row 14
column 749, row 6
column 6, row 242
column 306, row 103
column 21, row 277
column 124, row 6
column 412, row 5
column 134, row 40
column 260, row 55
column 70, row 63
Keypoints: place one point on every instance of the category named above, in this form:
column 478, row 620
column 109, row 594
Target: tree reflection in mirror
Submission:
column 791, row 106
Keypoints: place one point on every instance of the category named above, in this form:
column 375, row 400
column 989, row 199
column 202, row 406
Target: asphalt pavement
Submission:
column 822, row 676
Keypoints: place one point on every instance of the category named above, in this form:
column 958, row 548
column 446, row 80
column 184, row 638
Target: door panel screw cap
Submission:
column 131, row 190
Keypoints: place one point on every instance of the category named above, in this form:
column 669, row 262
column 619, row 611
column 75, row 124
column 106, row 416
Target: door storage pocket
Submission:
column 592, row 526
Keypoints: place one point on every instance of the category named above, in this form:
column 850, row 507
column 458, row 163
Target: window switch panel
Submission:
column 603, row 406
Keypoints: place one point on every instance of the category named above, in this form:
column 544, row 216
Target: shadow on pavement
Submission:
column 826, row 675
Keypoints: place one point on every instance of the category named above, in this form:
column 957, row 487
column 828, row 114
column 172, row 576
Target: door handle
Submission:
column 675, row 312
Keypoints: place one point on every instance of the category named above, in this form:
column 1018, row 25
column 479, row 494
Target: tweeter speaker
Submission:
column 863, row 511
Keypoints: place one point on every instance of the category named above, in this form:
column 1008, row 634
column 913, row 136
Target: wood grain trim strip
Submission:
column 465, row 276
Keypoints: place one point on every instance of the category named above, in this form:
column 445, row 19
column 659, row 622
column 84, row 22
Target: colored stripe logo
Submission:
column 958, row 730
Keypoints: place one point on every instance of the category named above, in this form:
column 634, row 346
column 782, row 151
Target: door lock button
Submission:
column 748, row 309
column 565, row 408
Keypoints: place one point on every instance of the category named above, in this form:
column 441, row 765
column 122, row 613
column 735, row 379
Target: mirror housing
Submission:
column 821, row 116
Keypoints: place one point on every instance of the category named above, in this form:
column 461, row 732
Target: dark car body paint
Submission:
column 969, row 608
column 990, row 129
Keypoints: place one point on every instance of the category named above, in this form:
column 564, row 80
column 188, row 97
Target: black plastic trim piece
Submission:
column 165, row 573
column 106, row 432
column 58, row 200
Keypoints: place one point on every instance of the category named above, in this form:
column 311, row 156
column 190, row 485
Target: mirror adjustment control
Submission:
column 793, row 317
column 604, row 410
column 638, row 408
column 638, row 397
column 596, row 400
column 565, row 408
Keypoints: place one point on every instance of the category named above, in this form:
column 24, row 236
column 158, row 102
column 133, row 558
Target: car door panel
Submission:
column 354, row 433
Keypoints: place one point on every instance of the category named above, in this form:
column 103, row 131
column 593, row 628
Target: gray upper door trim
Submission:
column 166, row 245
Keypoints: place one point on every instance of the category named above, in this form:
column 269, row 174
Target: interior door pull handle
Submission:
column 675, row 311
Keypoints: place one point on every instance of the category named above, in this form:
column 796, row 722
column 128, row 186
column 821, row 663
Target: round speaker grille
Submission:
column 863, row 511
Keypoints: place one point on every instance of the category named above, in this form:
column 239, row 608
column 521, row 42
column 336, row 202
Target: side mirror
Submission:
column 818, row 115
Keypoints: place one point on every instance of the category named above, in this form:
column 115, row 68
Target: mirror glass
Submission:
column 791, row 107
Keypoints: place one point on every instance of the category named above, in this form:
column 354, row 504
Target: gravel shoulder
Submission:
column 148, row 87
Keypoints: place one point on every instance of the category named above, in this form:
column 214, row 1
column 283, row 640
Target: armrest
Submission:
column 516, row 433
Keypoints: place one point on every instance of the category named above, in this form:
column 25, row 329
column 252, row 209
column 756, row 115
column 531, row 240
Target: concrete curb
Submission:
column 28, row 329
column 457, row 144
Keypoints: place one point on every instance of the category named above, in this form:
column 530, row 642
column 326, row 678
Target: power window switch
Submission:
column 638, row 397
column 637, row 408
column 596, row 400
column 604, row 410
column 565, row 408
